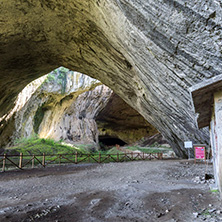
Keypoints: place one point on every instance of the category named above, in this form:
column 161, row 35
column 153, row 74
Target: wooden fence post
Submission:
column 43, row 159
column 59, row 159
column 76, row 158
column 20, row 160
column 89, row 158
column 33, row 161
column 3, row 163
column 99, row 157
column 160, row 156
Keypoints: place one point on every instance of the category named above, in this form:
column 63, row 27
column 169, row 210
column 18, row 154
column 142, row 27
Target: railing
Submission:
column 21, row 161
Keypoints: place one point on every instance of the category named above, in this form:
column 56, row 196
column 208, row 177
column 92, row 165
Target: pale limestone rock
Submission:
column 148, row 52
column 66, row 105
column 52, row 111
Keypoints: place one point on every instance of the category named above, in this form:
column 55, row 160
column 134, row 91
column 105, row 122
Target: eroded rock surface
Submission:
column 118, row 120
column 57, row 108
column 148, row 52
column 69, row 106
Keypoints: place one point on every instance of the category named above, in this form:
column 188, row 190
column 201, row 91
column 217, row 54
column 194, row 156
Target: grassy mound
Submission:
column 36, row 146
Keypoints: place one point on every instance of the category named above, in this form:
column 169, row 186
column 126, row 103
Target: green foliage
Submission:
column 62, row 78
column 24, row 140
column 205, row 212
column 36, row 146
column 155, row 144
column 59, row 76
column 57, row 153
column 214, row 191
column 51, row 77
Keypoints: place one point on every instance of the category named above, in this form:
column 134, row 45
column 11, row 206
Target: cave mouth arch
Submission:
column 110, row 141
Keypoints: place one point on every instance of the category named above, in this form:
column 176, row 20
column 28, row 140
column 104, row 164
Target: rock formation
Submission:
column 148, row 52
column 54, row 108
column 66, row 105
column 118, row 120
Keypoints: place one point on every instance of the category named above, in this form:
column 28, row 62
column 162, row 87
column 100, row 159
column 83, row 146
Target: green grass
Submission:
column 149, row 149
column 205, row 212
column 37, row 146
column 214, row 191
column 52, row 149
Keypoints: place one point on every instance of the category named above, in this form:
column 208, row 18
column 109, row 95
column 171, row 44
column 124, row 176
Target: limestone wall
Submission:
column 68, row 106
column 148, row 52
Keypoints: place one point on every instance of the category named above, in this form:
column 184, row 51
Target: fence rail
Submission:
column 21, row 161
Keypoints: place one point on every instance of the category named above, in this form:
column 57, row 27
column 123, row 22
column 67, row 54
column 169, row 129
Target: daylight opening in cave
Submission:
column 111, row 141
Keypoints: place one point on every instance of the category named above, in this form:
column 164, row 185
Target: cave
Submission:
column 119, row 120
column 110, row 141
column 149, row 54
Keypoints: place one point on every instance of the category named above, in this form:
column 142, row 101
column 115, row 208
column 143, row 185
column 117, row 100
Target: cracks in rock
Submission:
column 92, row 49
column 178, row 6
column 160, row 40
column 128, row 65
column 176, row 48
column 211, row 16
column 97, row 52
column 98, row 2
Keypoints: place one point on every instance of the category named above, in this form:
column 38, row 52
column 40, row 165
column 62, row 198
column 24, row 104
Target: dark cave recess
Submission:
column 111, row 141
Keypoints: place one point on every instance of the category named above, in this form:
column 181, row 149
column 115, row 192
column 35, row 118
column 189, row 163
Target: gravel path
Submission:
column 168, row 190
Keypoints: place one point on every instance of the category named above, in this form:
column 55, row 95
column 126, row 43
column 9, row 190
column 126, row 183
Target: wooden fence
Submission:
column 24, row 161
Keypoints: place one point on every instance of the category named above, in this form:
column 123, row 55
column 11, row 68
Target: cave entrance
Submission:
column 110, row 141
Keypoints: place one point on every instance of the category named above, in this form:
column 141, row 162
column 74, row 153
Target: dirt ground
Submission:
column 167, row 190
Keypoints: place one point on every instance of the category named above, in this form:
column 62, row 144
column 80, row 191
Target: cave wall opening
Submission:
column 149, row 54
column 106, row 141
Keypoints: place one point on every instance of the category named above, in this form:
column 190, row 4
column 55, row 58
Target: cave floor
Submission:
column 167, row 190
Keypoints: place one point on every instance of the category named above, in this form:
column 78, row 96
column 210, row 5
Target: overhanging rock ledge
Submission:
column 148, row 52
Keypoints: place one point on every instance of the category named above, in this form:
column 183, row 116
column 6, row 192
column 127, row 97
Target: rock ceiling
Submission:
column 149, row 52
